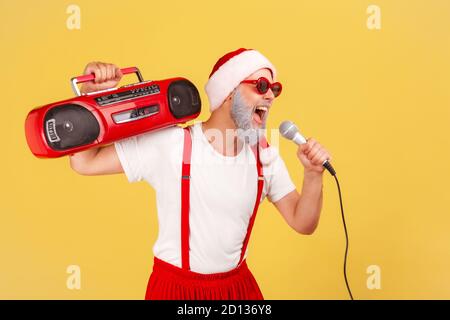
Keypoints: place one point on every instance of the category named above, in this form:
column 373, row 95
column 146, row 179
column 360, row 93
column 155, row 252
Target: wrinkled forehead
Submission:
column 266, row 73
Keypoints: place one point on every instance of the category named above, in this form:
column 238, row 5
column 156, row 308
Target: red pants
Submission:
column 168, row 282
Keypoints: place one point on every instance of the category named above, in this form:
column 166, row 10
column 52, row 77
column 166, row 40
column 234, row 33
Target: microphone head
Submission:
column 288, row 129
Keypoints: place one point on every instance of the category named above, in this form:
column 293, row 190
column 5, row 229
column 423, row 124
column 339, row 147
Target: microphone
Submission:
column 290, row 131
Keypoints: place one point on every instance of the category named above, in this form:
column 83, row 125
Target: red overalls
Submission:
column 169, row 282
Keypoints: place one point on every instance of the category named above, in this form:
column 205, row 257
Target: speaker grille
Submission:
column 69, row 126
column 184, row 99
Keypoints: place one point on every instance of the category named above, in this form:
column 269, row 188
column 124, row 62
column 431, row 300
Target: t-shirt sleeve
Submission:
column 279, row 180
column 129, row 156
column 141, row 155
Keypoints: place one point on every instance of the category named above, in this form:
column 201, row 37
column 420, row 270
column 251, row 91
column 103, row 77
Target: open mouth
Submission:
column 260, row 114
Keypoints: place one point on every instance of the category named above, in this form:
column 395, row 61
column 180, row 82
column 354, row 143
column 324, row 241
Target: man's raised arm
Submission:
column 104, row 159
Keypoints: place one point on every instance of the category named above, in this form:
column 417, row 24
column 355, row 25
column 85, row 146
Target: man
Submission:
column 206, row 209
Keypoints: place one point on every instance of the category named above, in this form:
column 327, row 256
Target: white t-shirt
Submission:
column 222, row 194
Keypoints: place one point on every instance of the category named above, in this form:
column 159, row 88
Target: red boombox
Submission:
column 102, row 117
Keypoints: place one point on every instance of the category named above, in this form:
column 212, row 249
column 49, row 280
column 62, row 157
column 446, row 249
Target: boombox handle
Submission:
column 89, row 77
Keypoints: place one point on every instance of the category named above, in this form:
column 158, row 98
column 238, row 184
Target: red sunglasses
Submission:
column 263, row 85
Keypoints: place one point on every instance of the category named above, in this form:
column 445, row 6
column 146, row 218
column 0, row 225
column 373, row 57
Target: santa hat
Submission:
column 230, row 70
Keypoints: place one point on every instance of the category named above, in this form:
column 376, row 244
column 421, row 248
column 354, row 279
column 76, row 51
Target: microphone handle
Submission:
column 299, row 139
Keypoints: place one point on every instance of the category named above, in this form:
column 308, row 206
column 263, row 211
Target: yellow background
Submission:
column 378, row 100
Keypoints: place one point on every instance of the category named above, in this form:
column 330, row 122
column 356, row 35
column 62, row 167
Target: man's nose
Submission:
column 269, row 96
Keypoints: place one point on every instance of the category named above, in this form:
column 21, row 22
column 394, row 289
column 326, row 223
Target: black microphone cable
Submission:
column 346, row 239
column 330, row 168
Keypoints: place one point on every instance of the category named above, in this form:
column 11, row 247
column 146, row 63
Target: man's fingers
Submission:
column 312, row 152
column 102, row 68
column 320, row 157
column 98, row 75
column 97, row 72
column 109, row 72
column 90, row 68
column 103, row 72
column 306, row 147
column 118, row 73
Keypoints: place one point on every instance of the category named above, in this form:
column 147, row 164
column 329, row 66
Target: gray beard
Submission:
column 242, row 114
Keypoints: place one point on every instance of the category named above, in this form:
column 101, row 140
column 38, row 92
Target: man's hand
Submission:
column 107, row 76
column 312, row 155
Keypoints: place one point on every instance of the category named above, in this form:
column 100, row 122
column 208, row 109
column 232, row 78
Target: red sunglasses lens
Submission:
column 262, row 85
column 276, row 89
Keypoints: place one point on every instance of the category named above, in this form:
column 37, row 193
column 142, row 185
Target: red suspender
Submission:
column 185, row 180
column 255, row 150
column 185, row 184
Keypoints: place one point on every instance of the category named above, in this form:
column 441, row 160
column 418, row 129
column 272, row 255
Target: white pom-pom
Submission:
column 267, row 155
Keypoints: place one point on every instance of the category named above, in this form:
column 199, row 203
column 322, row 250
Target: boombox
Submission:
column 102, row 117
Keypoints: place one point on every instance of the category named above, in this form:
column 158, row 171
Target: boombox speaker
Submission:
column 102, row 117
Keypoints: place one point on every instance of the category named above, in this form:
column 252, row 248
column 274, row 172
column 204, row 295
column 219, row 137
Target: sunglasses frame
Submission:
column 269, row 86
